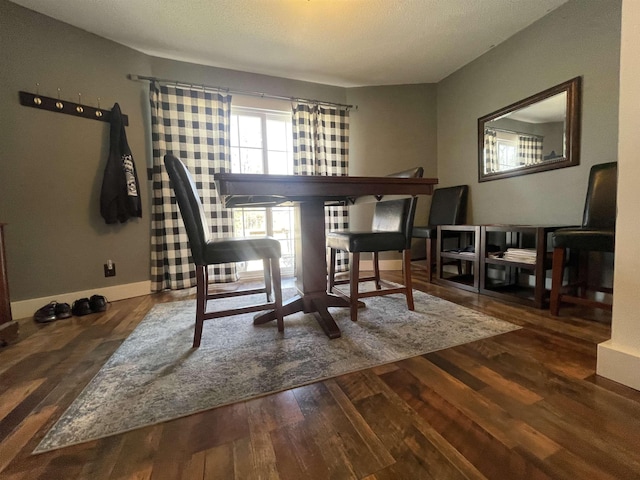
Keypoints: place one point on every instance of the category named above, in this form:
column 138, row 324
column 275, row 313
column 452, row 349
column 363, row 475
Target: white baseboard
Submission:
column 26, row 308
column 619, row 364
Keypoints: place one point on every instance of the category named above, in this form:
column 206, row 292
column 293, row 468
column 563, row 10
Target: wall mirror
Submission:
column 541, row 132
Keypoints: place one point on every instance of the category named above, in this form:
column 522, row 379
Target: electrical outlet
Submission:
column 109, row 269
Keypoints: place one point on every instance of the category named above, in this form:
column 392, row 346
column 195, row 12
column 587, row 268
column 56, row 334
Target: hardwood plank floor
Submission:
column 522, row 405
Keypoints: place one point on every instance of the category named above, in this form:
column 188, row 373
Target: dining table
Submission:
column 310, row 194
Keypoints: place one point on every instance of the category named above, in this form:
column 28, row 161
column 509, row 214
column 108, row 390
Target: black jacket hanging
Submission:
column 120, row 195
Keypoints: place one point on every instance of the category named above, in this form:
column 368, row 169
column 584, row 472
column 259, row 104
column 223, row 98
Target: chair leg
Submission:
column 406, row 257
column 353, row 284
column 459, row 262
column 266, row 267
column 277, row 290
column 582, row 277
column 201, row 302
column 376, row 269
column 557, row 273
column 332, row 270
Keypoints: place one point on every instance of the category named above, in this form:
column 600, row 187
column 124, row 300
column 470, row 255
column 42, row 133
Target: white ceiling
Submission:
column 552, row 109
column 337, row 42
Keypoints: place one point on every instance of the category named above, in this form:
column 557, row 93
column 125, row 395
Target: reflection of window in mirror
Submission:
column 507, row 151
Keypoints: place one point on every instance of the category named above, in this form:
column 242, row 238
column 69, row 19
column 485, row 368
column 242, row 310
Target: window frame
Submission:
column 264, row 114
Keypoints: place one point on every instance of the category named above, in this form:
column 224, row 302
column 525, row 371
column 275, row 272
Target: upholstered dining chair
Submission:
column 206, row 250
column 448, row 207
column 390, row 231
column 596, row 234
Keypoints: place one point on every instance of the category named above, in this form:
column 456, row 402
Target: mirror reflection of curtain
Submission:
column 321, row 147
column 529, row 150
column 490, row 151
column 194, row 125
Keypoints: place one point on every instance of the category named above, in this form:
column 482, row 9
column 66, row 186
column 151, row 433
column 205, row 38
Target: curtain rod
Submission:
column 515, row 131
column 239, row 92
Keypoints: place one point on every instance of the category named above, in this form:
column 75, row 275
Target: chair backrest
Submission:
column 600, row 205
column 397, row 215
column 449, row 206
column 193, row 216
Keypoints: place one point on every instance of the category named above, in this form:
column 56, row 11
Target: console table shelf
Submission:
column 480, row 271
column 513, row 280
column 511, row 263
column 467, row 262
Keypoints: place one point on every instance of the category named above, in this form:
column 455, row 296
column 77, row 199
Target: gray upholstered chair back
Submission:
column 600, row 205
column 193, row 216
column 397, row 215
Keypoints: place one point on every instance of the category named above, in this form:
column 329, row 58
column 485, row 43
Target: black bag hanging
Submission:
column 120, row 195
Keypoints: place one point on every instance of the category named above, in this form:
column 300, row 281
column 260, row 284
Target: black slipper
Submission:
column 46, row 314
column 81, row 307
column 98, row 303
column 63, row 310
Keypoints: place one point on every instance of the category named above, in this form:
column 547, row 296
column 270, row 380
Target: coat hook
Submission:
column 79, row 108
column 37, row 100
column 98, row 111
column 59, row 104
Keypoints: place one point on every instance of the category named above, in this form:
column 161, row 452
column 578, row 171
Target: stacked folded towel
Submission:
column 521, row 255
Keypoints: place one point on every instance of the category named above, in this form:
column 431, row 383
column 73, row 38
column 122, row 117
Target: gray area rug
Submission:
column 156, row 376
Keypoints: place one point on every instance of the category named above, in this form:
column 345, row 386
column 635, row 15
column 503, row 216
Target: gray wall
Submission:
column 393, row 129
column 581, row 38
column 51, row 165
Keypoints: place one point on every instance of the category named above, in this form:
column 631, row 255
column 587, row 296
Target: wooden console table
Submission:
column 509, row 279
column 485, row 272
column 467, row 256
column 8, row 328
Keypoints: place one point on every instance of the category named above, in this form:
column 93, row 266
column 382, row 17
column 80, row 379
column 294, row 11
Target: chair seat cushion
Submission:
column 227, row 250
column 425, row 231
column 598, row 240
column 431, row 231
column 370, row 241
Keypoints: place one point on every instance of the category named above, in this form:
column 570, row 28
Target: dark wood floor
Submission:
column 523, row 405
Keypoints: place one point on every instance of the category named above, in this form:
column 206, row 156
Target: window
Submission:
column 507, row 154
column 261, row 142
column 507, row 150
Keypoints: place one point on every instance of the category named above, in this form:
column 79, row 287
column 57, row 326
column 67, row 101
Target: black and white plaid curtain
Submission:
column 529, row 150
column 194, row 126
column 321, row 147
column 491, row 151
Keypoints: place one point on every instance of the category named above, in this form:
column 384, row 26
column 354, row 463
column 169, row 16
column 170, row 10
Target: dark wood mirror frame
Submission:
column 571, row 154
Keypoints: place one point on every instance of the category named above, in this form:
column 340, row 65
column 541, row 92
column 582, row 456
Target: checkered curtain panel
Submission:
column 490, row 151
column 194, row 126
column 321, row 147
column 529, row 150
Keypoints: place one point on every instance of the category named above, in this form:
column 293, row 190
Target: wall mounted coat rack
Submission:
column 65, row 106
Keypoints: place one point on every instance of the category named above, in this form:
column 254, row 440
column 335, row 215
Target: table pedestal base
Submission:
column 316, row 304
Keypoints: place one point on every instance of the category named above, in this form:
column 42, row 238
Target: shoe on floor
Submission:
column 81, row 307
column 46, row 314
column 63, row 310
column 98, row 303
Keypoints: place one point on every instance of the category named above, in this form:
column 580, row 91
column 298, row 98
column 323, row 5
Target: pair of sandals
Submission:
column 58, row 311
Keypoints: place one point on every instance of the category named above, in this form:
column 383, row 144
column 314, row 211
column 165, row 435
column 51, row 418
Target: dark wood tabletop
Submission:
column 310, row 194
